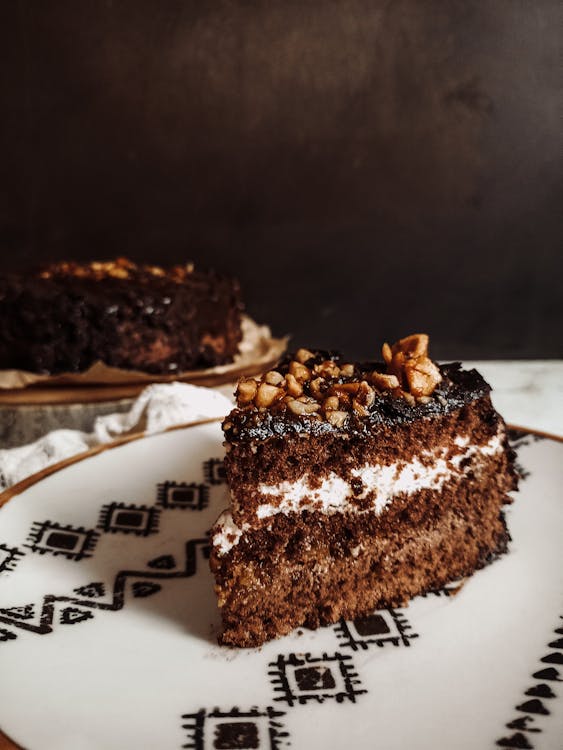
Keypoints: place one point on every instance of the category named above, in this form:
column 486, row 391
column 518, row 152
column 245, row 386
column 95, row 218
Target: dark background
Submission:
column 366, row 168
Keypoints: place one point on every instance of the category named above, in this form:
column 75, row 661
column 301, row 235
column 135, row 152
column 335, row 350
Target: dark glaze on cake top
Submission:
column 457, row 388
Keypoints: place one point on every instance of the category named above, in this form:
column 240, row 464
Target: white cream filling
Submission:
column 227, row 533
column 335, row 495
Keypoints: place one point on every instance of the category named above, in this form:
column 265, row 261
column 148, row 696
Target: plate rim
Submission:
column 5, row 742
column 24, row 484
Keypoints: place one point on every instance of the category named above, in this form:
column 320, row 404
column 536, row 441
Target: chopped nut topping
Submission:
column 422, row 376
column 345, row 401
column 384, row 382
column 408, row 360
column 120, row 268
column 359, row 408
column 246, row 390
column 273, row 377
column 336, row 392
column 294, row 387
column 301, row 407
column 119, row 273
column 331, row 403
column 299, row 371
column 344, row 389
column 365, row 395
column 267, row 394
column 303, row 355
column 412, row 346
column 318, row 387
column 409, row 398
column 327, row 369
column 337, row 418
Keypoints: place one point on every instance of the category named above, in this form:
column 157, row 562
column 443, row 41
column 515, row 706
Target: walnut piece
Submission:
column 327, row 369
column 365, row 395
column 415, row 345
column 359, row 408
column 303, row 405
column 303, row 355
column 299, row 371
column 273, row 377
column 318, row 388
column 409, row 398
column 344, row 389
column 422, row 376
column 409, row 362
column 337, row 418
column 246, row 390
column 267, row 394
column 294, row 387
column 384, row 382
column 331, row 403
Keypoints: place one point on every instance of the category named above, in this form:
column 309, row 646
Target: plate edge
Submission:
column 32, row 479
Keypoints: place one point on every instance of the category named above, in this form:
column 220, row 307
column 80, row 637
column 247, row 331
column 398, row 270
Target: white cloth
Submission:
column 158, row 407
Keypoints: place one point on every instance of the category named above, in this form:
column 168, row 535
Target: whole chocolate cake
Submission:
column 67, row 316
column 355, row 487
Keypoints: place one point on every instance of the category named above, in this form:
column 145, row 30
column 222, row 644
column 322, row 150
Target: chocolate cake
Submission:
column 355, row 487
column 66, row 316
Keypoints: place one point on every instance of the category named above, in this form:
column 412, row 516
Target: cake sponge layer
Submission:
column 311, row 569
column 268, row 476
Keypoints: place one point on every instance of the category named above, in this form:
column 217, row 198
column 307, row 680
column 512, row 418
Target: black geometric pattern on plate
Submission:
column 74, row 615
column 190, row 496
column 214, row 471
column 6, row 635
column 163, row 562
column 142, row 589
column 23, row 612
column 534, row 704
column 91, row 590
column 298, row 678
column 73, row 542
column 379, row 628
column 69, row 610
column 129, row 519
column 235, row 729
column 9, row 557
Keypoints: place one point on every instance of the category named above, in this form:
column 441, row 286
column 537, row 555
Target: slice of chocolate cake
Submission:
column 67, row 316
column 355, row 487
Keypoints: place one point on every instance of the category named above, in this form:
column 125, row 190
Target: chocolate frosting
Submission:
column 458, row 388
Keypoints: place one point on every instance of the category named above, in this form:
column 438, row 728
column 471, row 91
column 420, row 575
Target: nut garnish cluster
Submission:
column 326, row 389
column 120, row 268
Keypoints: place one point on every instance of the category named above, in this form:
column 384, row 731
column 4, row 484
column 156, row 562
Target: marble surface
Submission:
column 528, row 393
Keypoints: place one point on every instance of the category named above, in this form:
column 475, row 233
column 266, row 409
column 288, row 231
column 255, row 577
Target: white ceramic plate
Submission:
column 108, row 625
